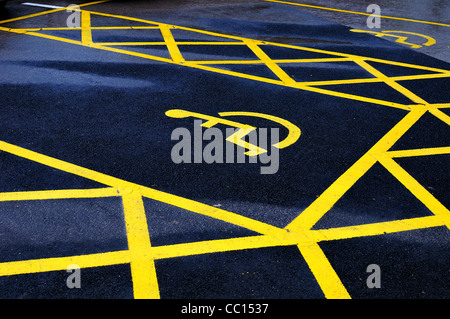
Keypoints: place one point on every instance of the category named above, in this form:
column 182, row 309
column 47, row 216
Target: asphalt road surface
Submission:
column 111, row 189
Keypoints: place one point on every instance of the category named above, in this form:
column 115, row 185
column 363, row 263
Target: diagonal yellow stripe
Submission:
column 419, row 152
column 61, row 263
column 311, row 215
column 171, row 44
column 360, row 13
column 61, row 194
column 416, row 189
column 275, row 68
column 50, row 11
column 324, row 273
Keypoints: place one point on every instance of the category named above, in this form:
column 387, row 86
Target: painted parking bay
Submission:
column 86, row 151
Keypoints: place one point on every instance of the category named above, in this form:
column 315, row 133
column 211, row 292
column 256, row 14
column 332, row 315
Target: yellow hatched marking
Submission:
column 309, row 217
column 174, row 200
column 255, row 46
column 413, row 97
column 286, row 79
column 416, row 189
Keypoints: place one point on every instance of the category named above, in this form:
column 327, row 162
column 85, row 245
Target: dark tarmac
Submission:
column 88, row 175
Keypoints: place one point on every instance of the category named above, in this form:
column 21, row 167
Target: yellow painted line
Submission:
column 352, row 96
column 126, row 28
column 438, row 106
column 130, row 43
column 377, row 80
column 51, row 11
column 143, row 271
column 420, row 77
column 164, row 43
column 300, row 85
column 221, row 245
column 41, row 35
column 169, row 26
column 277, row 61
column 220, row 62
column 171, row 44
column 399, row 88
column 360, row 13
column 324, row 273
column 301, row 237
column 311, row 215
column 233, row 73
column 416, row 188
column 332, row 53
column 408, row 65
column 79, row 28
column 440, row 115
column 279, row 72
column 240, row 39
column 61, row 263
column 419, row 152
column 360, row 57
column 214, row 212
column 377, row 229
column 86, row 33
column 64, row 166
column 141, row 255
column 136, row 54
column 174, row 200
column 178, row 59
column 61, row 194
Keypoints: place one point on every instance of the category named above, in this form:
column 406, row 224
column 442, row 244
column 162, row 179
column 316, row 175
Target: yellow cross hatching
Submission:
column 281, row 77
column 141, row 255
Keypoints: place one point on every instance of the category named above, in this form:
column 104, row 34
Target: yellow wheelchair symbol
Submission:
column 243, row 129
column 401, row 38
